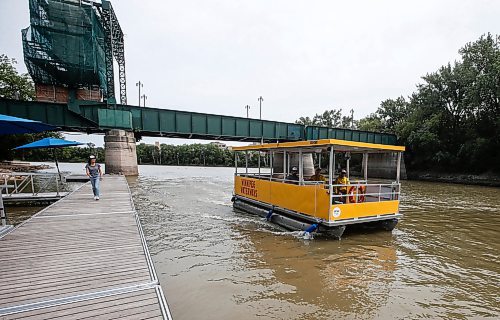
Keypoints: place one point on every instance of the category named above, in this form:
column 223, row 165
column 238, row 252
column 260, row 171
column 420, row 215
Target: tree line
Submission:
column 452, row 120
column 191, row 155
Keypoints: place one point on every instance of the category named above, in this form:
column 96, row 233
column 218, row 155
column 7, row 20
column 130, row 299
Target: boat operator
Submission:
column 294, row 175
column 342, row 190
column 317, row 175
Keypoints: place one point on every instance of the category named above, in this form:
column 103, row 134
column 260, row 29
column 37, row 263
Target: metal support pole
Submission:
column 284, row 166
column 3, row 214
column 260, row 118
column 348, row 168
column 271, row 165
column 32, row 185
column 288, row 164
column 260, row 107
column 398, row 168
column 301, row 169
column 258, row 162
column 331, row 167
column 365, row 165
column 235, row 163
column 319, row 160
column 333, row 171
column 57, row 186
column 246, row 162
column 140, row 85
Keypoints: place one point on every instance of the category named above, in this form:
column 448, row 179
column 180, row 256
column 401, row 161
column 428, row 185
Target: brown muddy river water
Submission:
column 441, row 261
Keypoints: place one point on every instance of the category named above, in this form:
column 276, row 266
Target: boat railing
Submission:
column 18, row 182
column 358, row 191
column 365, row 192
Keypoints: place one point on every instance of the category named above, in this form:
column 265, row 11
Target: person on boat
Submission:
column 343, row 181
column 294, row 174
column 94, row 172
column 317, row 175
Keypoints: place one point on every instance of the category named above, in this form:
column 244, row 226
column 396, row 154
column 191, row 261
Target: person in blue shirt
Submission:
column 94, row 172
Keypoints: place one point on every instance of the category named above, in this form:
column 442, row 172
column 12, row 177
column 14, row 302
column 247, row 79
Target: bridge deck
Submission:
column 81, row 258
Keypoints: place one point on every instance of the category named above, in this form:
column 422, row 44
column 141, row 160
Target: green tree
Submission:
column 17, row 86
column 329, row 118
column 452, row 121
column 372, row 122
column 12, row 84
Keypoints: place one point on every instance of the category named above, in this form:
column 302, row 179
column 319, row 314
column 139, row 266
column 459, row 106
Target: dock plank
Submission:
column 91, row 308
column 81, row 258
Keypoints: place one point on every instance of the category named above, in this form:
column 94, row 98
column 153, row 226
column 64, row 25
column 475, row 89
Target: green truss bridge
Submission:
column 123, row 125
column 155, row 122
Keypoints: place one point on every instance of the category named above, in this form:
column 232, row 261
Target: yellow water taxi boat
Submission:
column 305, row 185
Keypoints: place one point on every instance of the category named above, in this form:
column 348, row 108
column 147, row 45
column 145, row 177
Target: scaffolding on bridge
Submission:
column 70, row 44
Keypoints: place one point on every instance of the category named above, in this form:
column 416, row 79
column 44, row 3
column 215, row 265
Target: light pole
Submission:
column 260, row 117
column 248, row 108
column 260, row 106
column 140, row 85
column 352, row 118
column 144, row 98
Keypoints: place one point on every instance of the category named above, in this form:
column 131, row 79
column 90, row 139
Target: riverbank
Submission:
column 486, row 179
column 21, row 166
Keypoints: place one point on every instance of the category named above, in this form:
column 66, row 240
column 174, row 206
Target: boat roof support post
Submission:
column 271, row 165
column 284, row 165
column 301, row 168
column 246, row 162
column 258, row 163
column 365, row 165
column 348, row 166
column 331, row 167
column 288, row 164
column 398, row 167
column 236, row 163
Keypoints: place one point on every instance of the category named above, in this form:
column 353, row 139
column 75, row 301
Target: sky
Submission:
column 302, row 57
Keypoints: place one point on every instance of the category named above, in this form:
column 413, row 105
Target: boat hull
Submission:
column 299, row 222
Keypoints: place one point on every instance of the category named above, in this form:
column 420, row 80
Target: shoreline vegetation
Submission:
column 450, row 124
column 486, row 179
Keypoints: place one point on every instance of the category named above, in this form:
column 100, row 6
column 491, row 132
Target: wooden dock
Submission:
column 80, row 258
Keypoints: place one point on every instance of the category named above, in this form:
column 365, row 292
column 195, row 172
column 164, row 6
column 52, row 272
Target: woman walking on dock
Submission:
column 94, row 172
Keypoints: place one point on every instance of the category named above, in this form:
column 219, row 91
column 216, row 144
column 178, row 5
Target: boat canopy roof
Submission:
column 318, row 145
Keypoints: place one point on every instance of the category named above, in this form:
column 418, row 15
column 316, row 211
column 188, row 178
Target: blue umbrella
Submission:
column 13, row 125
column 50, row 143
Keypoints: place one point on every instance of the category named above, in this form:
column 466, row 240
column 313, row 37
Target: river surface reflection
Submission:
column 442, row 260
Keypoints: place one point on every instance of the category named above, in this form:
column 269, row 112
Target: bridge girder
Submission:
column 155, row 122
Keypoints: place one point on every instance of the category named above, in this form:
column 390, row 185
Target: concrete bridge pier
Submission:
column 120, row 152
column 384, row 165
